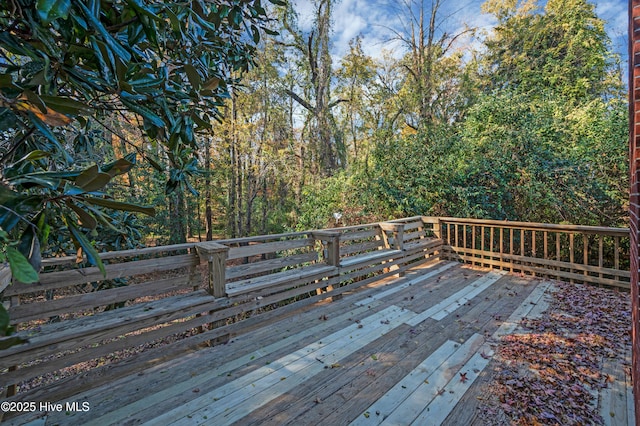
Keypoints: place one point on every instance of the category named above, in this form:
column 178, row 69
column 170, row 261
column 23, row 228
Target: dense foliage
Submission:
column 532, row 126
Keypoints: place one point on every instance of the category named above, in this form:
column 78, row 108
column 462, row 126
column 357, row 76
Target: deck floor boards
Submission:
column 378, row 355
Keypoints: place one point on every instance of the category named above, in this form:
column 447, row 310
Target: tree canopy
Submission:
column 231, row 116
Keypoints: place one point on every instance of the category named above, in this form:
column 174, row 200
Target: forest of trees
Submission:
column 135, row 122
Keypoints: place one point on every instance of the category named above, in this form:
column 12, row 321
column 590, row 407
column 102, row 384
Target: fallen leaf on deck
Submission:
column 549, row 372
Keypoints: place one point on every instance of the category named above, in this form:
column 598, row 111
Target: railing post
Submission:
column 397, row 230
column 437, row 233
column 331, row 243
column 216, row 256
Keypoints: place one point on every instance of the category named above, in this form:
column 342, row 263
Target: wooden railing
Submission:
column 181, row 297
column 205, row 292
column 583, row 254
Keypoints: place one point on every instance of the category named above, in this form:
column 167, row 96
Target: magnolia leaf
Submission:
column 86, row 219
column 117, row 205
column 114, row 45
column 145, row 112
column 50, row 10
column 29, row 246
column 87, row 176
column 83, row 243
column 49, row 117
column 99, row 182
column 211, row 84
column 66, row 105
column 35, row 155
column 120, row 166
column 193, row 76
column 21, row 269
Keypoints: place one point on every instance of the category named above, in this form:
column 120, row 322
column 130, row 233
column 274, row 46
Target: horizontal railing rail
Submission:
column 574, row 253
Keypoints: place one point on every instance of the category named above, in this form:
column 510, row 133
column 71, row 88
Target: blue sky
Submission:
column 373, row 19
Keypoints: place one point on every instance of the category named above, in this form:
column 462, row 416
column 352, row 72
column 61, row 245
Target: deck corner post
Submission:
column 436, row 228
column 397, row 230
column 331, row 243
column 216, row 256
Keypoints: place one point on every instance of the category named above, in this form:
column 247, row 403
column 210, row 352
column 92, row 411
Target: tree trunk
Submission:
column 207, row 191
column 177, row 218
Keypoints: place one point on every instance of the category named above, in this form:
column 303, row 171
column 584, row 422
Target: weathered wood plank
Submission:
column 350, row 249
column 239, row 271
column 5, row 277
column 346, row 393
column 388, row 403
column 368, row 258
column 257, row 249
column 55, row 280
column 436, row 269
column 438, row 410
column 361, row 235
column 80, row 302
column 241, row 393
column 71, row 334
column 469, row 293
column 126, row 407
column 453, row 302
column 291, row 277
column 121, row 254
column 411, row 407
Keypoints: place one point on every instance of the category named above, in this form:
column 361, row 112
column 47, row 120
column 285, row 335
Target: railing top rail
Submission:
column 598, row 230
column 261, row 238
column 64, row 260
column 622, row 232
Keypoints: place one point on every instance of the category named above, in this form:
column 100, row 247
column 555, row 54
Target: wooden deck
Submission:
column 388, row 353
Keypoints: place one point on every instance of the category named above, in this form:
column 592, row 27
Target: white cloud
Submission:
column 374, row 19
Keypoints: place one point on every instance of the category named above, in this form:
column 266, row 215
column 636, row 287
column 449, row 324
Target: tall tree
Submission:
column 315, row 48
column 355, row 77
column 562, row 48
column 430, row 67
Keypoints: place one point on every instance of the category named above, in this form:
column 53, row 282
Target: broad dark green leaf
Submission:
column 35, row 155
column 117, row 205
column 50, row 10
column 120, row 166
column 47, row 133
column 66, row 105
column 98, row 183
column 108, row 38
column 92, row 179
column 21, row 269
column 193, row 76
column 87, row 176
column 29, row 246
column 86, row 219
column 6, row 80
column 87, row 248
column 145, row 112
column 29, row 180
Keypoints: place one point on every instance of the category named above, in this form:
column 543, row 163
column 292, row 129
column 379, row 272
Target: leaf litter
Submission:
column 550, row 371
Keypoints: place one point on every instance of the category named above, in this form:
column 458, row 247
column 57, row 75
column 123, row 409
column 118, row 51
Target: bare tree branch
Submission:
column 301, row 101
